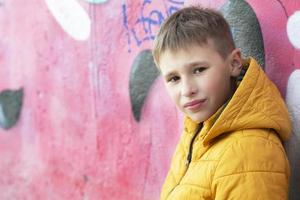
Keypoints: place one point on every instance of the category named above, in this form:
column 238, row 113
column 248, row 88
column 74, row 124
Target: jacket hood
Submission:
column 256, row 104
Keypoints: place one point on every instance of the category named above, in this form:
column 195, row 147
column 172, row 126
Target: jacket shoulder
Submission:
column 252, row 159
column 223, row 144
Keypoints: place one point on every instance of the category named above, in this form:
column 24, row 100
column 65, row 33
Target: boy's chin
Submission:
column 198, row 118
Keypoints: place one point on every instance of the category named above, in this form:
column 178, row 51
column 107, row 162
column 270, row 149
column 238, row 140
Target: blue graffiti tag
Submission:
column 145, row 24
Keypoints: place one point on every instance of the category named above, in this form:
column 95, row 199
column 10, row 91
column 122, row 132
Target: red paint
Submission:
column 76, row 137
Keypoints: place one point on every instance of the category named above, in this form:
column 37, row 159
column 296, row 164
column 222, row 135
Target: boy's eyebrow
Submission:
column 169, row 74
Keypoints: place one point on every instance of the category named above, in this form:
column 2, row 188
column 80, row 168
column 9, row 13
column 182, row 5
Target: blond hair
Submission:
column 193, row 26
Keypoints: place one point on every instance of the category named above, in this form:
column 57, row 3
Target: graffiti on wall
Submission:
column 293, row 29
column 293, row 145
column 245, row 29
column 96, row 1
column 59, row 149
column 73, row 19
column 142, row 75
column 293, row 103
column 10, row 107
column 142, row 28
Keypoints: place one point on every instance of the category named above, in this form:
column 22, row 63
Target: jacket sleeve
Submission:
column 252, row 168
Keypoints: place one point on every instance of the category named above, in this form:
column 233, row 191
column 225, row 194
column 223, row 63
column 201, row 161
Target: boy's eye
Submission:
column 199, row 70
column 173, row 79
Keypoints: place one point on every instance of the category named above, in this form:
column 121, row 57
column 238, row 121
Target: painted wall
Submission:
column 83, row 113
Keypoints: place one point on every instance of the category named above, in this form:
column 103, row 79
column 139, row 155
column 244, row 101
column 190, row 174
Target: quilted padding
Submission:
column 238, row 153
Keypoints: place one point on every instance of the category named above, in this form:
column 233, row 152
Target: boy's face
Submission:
column 199, row 79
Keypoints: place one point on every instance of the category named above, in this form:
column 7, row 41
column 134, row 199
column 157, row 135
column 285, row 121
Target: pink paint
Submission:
column 77, row 137
column 277, row 60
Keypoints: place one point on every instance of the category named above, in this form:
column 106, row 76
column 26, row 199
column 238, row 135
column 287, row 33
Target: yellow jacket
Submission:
column 237, row 154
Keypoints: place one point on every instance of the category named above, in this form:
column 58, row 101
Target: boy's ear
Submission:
column 236, row 62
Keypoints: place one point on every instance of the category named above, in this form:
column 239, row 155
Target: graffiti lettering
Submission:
column 142, row 28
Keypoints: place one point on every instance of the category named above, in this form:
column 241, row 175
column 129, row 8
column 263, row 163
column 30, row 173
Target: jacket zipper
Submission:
column 190, row 154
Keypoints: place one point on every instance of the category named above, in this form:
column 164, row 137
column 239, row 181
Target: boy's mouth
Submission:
column 195, row 104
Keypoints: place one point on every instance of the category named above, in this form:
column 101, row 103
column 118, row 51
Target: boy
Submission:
column 235, row 117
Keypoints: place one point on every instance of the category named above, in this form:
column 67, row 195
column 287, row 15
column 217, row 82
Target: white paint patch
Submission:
column 71, row 17
column 293, row 29
column 293, row 99
column 96, row 1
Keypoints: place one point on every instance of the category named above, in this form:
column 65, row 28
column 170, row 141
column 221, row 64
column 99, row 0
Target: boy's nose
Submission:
column 189, row 88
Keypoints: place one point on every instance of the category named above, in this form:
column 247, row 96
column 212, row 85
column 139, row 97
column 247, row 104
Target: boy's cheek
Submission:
column 175, row 95
column 212, row 86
